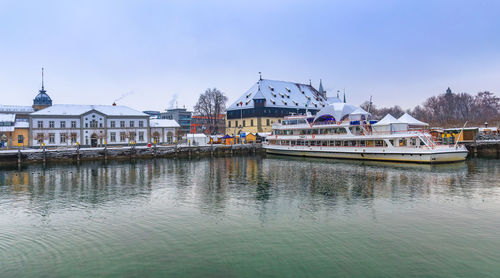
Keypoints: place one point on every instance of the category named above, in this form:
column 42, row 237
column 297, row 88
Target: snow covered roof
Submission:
column 7, row 117
column 19, row 124
column 387, row 120
column 339, row 110
column 281, row 94
column 15, row 109
column 163, row 123
column 333, row 100
column 77, row 110
column 407, row 118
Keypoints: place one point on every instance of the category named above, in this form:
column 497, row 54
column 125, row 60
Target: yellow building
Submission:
column 13, row 132
column 268, row 101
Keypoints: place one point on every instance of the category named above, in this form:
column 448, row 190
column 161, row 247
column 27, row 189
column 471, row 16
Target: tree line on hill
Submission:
column 448, row 109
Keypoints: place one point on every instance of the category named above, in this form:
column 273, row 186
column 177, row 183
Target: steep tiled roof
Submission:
column 281, row 94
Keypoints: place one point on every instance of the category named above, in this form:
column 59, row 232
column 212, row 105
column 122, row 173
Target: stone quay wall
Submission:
column 103, row 153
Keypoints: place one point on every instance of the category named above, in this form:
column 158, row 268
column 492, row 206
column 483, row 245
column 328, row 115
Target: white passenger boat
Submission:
column 342, row 131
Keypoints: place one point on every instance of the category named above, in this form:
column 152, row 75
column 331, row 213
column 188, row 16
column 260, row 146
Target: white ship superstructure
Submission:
column 342, row 130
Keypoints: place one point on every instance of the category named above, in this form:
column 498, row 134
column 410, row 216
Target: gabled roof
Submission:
column 163, row 123
column 77, row 110
column 387, row 120
column 407, row 118
column 280, row 94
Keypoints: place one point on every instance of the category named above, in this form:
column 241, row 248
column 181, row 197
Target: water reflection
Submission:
column 210, row 184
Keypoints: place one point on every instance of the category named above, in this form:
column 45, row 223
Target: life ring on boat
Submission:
column 313, row 136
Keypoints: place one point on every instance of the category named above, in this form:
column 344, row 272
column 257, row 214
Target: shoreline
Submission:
column 31, row 156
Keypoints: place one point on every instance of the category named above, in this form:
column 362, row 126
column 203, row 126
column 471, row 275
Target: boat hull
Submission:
column 428, row 156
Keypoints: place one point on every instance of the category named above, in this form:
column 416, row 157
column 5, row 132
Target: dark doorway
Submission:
column 93, row 140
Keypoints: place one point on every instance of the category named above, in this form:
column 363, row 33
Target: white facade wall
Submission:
column 52, row 127
column 88, row 126
column 167, row 135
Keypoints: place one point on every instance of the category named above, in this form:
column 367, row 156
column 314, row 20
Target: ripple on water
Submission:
column 250, row 217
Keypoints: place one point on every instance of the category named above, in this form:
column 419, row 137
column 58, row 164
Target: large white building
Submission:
column 88, row 125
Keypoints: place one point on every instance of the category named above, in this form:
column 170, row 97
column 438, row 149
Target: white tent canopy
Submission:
column 339, row 110
column 390, row 124
column 197, row 139
column 407, row 118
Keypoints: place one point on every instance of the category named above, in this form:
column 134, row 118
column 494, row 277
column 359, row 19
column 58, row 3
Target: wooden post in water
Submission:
column 44, row 158
column 105, row 153
column 19, row 156
column 78, row 153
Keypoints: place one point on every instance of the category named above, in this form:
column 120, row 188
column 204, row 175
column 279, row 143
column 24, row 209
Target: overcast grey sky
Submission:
column 401, row 52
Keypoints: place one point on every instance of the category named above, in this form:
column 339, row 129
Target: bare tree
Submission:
column 210, row 106
column 449, row 109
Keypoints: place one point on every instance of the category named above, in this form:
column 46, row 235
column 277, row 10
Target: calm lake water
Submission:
column 251, row 217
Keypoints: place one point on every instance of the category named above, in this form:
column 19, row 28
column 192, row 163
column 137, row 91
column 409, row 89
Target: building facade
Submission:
column 88, row 125
column 164, row 131
column 268, row 101
column 201, row 124
column 14, row 125
column 181, row 116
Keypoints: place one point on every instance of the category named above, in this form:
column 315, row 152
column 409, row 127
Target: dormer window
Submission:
column 288, row 90
column 284, row 102
column 271, row 88
column 302, row 92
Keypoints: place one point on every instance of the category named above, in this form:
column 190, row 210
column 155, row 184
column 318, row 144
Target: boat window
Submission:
column 379, row 143
column 362, row 143
column 338, row 143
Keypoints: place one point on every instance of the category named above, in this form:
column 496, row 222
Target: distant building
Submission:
column 200, row 124
column 88, row 125
column 163, row 131
column 14, row 125
column 181, row 116
column 152, row 114
column 268, row 101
